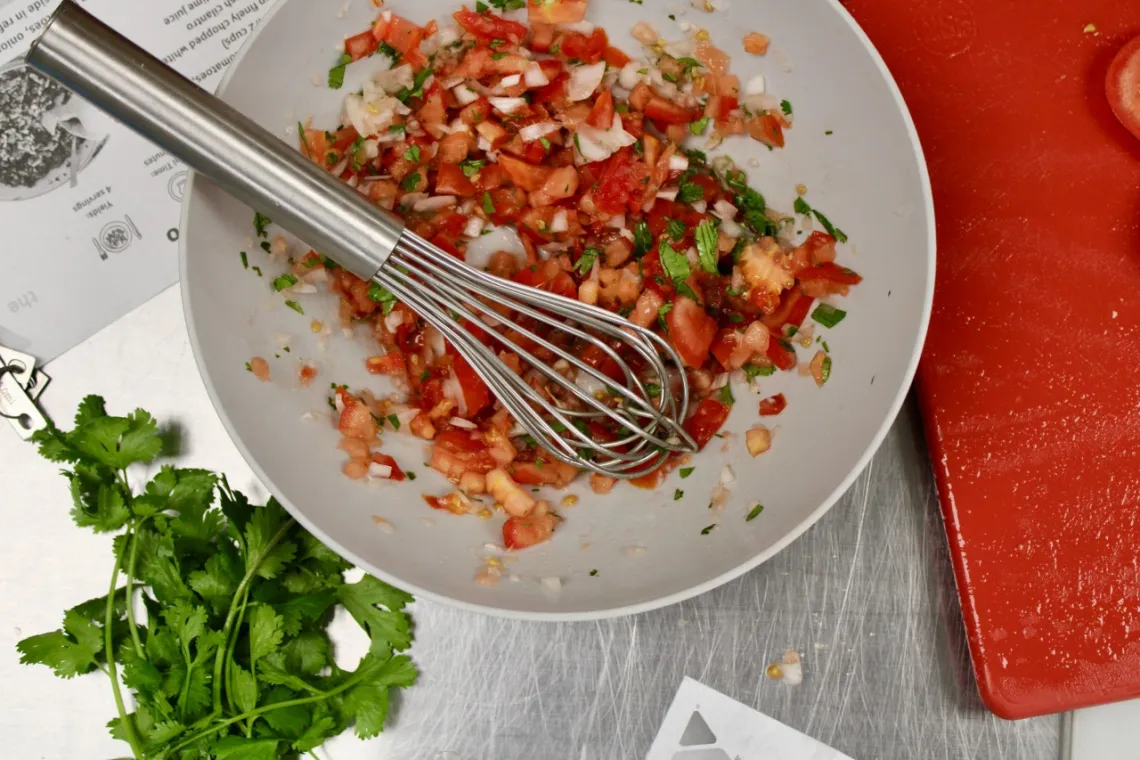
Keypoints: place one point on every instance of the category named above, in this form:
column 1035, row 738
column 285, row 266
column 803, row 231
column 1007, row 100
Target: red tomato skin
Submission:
column 773, row 405
column 691, row 330
column 487, row 26
column 1122, row 85
column 361, row 45
column 708, row 418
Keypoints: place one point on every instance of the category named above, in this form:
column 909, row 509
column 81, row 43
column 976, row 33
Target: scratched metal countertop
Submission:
column 866, row 596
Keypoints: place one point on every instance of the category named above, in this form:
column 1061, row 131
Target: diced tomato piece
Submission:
column 756, row 43
column 691, row 330
column 640, row 96
column 524, row 532
column 384, row 459
column 541, row 37
column 389, row 364
column 563, row 285
column 555, row 11
column 553, row 92
column 603, row 362
column 475, row 456
column 773, row 405
column 830, row 272
column 550, row 473
column 356, row 419
column 781, row 353
column 620, row 185
column 577, row 46
column 488, row 178
column 405, row 38
column 792, row 310
column 473, row 113
column 448, row 244
column 708, row 418
column 668, row 112
column 602, row 112
column 487, row 26
column 361, row 45
column 724, row 345
column 450, row 180
column 615, row 57
column 725, row 106
column 820, row 248
column 476, row 395
column 767, row 129
column 524, row 175
column 315, row 146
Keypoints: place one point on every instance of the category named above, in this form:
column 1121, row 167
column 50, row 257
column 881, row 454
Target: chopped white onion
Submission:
column 407, row 415
column 508, row 105
column 510, row 81
column 413, row 198
column 392, row 81
column 584, row 80
column 724, row 210
column 303, row 288
column 474, row 227
column 434, row 203
column 339, row 403
column 678, row 162
column 480, row 250
column 727, row 477
column 618, row 222
column 464, row 95
column 394, row 320
column 755, row 85
column 585, row 27
column 534, row 132
column 667, row 194
column 552, row 584
column 560, row 222
column 448, row 35
column 599, row 144
column 720, row 380
column 630, row 76
column 700, row 206
column 454, row 391
column 627, row 234
column 534, row 76
column 379, row 470
column 459, row 422
column 731, row 228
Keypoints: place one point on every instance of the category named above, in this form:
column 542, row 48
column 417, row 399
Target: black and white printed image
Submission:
column 48, row 135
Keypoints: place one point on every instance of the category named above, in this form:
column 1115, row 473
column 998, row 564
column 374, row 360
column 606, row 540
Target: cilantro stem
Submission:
column 227, row 675
column 112, row 671
column 356, row 678
column 229, row 629
column 133, row 535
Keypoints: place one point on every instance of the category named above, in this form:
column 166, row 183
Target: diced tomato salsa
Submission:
column 616, row 205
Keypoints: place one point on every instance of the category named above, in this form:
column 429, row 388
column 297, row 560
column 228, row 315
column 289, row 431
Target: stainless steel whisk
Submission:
column 262, row 171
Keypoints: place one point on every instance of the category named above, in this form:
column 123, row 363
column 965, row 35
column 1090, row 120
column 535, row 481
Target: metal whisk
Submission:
column 640, row 416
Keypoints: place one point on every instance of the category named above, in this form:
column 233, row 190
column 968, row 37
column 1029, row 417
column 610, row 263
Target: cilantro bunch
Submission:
column 217, row 611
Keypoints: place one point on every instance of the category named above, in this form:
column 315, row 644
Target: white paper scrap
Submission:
column 703, row 724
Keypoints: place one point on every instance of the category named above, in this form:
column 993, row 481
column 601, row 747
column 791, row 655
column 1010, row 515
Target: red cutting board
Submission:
column 1030, row 381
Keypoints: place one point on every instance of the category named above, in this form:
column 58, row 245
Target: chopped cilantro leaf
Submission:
column 510, row 5
column 786, row 107
column 394, row 421
column 284, row 281
column 675, row 264
column 260, row 224
column 699, row 126
column 593, row 572
column 295, row 306
column 678, row 494
column 586, row 263
column 825, row 370
column 412, row 154
column 642, row 239
column 481, row 7
column 675, row 229
column 397, row 128
column 828, row 315
column 752, row 371
column 801, row 206
column 389, row 51
column 696, row 156
column 544, row 143
column 686, row 472
column 669, row 77
column 707, row 238
column 708, row 529
column 336, row 73
column 257, row 270
column 725, row 396
column 488, row 204
column 690, row 192
column 689, row 64
column 754, row 513
column 382, row 296
column 471, row 167
column 411, row 182
column 244, row 260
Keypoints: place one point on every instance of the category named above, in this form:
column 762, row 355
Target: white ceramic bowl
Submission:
column 647, row 547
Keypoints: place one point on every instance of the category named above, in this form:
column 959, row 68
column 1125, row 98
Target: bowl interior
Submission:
column 854, row 148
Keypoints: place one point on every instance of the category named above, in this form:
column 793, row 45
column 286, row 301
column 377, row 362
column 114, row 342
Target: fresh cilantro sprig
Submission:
column 233, row 658
column 801, row 206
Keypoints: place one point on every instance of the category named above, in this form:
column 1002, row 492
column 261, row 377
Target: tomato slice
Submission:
column 767, row 129
column 1123, row 86
column 602, row 113
column 620, row 185
column 487, row 26
column 704, row 423
column 615, row 58
column 555, row 11
column 691, row 330
column 524, row 175
column 405, row 38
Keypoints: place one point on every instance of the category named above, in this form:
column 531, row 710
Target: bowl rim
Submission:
column 627, row 609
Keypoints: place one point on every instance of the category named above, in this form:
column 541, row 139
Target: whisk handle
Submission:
column 243, row 158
